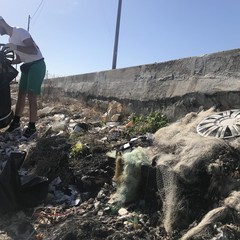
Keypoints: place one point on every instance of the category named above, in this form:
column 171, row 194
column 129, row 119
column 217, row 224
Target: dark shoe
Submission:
column 13, row 127
column 29, row 133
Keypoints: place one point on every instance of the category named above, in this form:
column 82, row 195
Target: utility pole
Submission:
column 28, row 22
column 116, row 35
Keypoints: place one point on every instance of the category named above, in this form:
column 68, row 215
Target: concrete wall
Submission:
column 173, row 87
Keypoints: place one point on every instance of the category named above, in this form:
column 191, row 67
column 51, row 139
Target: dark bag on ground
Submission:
column 20, row 192
column 33, row 190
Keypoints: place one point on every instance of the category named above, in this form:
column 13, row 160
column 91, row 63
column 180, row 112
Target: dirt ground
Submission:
column 77, row 156
column 91, row 171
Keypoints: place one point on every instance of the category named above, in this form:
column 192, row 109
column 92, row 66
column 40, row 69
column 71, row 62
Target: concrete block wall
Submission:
column 174, row 87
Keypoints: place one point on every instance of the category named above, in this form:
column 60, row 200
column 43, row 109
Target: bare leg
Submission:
column 32, row 98
column 20, row 103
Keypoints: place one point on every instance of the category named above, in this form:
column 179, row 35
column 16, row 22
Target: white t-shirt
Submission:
column 17, row 38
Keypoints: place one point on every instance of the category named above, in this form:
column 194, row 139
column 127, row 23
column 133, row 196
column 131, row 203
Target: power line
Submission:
column 38, row 8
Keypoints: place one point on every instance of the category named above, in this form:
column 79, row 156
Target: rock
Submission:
column 122, row 211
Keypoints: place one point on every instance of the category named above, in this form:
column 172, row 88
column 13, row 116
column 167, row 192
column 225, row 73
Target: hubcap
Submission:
column 221, row 125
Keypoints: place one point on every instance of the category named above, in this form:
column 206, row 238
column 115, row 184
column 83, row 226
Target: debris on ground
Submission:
column 114, row 179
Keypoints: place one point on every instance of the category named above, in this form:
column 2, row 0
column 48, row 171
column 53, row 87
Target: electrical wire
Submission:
column 38, row 8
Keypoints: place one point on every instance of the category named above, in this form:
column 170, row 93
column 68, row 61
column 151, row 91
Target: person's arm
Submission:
column 29, row 47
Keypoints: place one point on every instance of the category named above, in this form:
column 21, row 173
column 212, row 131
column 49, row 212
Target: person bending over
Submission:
column 33, row 72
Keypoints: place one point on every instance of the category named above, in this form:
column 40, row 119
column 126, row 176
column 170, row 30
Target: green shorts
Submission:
column 32, row 75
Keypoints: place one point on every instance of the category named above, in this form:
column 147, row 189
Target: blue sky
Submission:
column 77, row 36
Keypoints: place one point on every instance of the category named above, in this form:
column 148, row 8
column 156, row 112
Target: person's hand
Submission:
column 10, row 46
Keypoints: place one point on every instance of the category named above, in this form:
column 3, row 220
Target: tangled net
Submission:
column 198, row 178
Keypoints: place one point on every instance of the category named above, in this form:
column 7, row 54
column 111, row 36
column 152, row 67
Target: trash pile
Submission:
column 105, row 181
column 199, row 177
column 70, row 153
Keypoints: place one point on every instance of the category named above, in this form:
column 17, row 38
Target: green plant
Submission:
column 79, row 147
column 76, row 149
column 114, row 209
column 135, row 222
column 149, row 123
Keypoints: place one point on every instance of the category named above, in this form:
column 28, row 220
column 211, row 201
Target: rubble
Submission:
column 76, row 151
